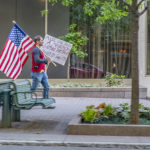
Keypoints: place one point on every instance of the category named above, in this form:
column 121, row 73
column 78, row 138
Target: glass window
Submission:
column 109, row 46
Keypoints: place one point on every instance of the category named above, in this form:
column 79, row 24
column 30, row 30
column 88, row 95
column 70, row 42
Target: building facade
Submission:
column 109, row 46
column 27, row 14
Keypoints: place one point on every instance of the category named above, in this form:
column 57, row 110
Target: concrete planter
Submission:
column 96, row 92
column 75, row 127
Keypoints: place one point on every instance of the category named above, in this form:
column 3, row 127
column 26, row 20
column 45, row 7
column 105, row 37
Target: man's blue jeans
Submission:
column 40, row 78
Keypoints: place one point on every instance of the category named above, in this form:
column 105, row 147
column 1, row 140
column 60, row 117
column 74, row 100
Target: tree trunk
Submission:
column 135, row 70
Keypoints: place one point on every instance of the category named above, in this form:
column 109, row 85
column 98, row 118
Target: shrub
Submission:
column 77, row 40
column 108, row 114
column 90, row 114
column 114, row 80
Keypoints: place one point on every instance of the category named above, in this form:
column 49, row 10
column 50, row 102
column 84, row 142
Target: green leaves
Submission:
column 109, row 11
column 76, row 39
column 53, row 2
column 44, row 12
column 109, row 110
column 105, row 9
column 114, row 80
column 67, row 2
column 91, row 6
column 90, row 113
column 125, row 106
column 64, row 2
column 110, row 114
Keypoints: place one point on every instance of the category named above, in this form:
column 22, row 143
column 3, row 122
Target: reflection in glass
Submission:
column 109, row 46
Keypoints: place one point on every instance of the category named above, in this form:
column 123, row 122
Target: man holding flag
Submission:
column 14, row 54
column 38, row 73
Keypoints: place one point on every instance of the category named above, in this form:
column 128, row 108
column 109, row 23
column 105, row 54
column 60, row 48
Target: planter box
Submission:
column 96, row 92
column 75, row 127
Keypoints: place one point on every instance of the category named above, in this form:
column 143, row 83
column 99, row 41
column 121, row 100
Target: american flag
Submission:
column 14, row 54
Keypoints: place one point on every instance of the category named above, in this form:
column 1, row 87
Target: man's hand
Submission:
column 49, row 60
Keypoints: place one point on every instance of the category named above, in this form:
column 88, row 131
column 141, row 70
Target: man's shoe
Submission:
column 50, row 107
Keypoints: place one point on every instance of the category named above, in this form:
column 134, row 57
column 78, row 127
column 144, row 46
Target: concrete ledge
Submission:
column 98, row 92
column 75, row 127
column 92, row 92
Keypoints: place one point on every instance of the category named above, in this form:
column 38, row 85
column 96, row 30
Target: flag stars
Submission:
column 16, row 36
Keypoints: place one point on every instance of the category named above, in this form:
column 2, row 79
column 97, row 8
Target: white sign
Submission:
column 57, row 50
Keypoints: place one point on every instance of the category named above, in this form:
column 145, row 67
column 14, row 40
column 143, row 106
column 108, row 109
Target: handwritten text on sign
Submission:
column 58, row 50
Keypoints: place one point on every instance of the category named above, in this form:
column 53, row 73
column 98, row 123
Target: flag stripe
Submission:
column 25, row 59
column 17, row 73
column 16, row 69
column 5, row 47
column 31, row 46
column 11, row 59
column 6, row 56
column 11, row 67
column 3, row 54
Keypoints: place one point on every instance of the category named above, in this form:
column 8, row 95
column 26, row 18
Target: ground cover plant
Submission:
column 114, row 80
column 108, row 114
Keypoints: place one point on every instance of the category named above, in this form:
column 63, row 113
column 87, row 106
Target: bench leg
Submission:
column 15, row 115
column 6, row 111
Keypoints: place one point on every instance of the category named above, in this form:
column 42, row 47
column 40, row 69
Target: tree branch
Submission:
column 140, row 3
column 143, row 11
column 123, row 1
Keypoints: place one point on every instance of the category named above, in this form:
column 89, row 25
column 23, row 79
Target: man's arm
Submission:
column 36, row 55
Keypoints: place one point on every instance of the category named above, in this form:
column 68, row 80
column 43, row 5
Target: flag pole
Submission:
column 46, row 26
column 14, row 22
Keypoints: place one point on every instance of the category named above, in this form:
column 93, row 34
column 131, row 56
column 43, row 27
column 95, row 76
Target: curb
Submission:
column 76, row 144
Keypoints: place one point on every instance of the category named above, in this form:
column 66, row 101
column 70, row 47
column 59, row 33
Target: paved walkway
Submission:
column 48, row 126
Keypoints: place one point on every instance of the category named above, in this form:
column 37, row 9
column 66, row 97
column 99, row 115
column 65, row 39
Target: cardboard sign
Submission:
column 57, row 50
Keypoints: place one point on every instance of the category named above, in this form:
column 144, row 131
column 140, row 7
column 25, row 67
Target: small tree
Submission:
column 77, row 40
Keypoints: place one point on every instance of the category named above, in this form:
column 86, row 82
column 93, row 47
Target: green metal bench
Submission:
column 15, row 96
column 22, row 97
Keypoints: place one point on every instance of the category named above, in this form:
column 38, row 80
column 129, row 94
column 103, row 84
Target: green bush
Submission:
column 114, row 80
column 90, row 114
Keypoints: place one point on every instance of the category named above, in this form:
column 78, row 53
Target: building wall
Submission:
column 28, row 16
column 144, row 79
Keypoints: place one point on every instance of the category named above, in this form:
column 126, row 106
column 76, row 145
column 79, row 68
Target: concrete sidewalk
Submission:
column 48, row 126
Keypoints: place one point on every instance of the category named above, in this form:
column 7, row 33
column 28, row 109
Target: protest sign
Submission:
column 57, row 50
